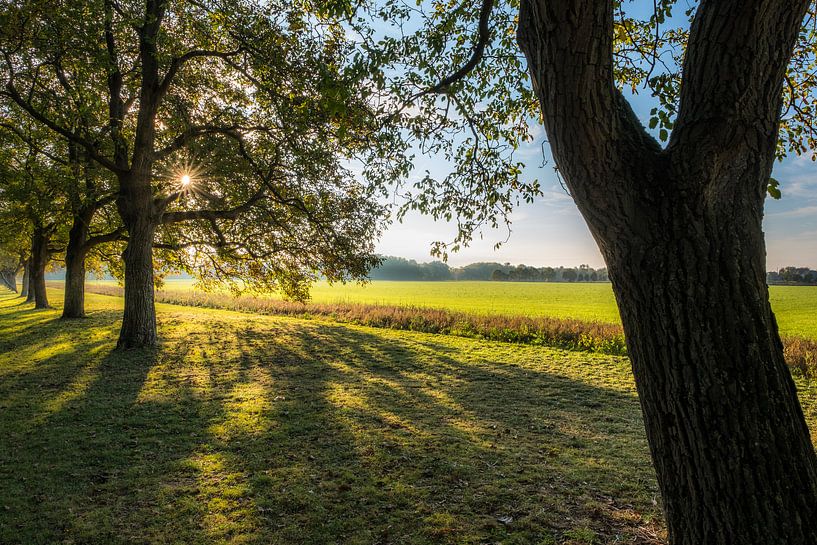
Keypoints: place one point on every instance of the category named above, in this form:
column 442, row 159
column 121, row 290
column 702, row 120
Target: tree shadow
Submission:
column 263, row 430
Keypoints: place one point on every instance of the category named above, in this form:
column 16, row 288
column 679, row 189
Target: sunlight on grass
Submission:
column 72, row 392
column 257, row 429
column 245, row 410
column 225, row 497
column 793, row 305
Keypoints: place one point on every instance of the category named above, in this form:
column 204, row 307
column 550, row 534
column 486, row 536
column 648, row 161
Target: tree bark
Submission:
column 30, row 292
column 39, row 260
column 137, row 209
column 729, row 442
column 74, row 298
column 24, row 287
column 135, row 202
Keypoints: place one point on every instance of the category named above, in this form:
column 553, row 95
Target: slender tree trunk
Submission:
column 9, row 278
column 680, row 230
column 74, row 300
column 39, row 260
column 30, row 291
column 6, row 277
column 24, row 287
column 137, row 210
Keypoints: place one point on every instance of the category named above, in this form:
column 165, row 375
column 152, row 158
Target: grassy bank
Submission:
column 568, row 333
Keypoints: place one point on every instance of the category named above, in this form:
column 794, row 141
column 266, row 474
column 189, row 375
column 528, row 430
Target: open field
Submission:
column 794, row 306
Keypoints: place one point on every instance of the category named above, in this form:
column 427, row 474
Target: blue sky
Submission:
column 551, row 232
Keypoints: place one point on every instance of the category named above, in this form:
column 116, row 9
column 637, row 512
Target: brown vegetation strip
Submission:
column 571, row 334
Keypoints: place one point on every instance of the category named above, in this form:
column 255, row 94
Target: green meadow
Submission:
column 271, row 430
column 794, row 306
column 251, row 429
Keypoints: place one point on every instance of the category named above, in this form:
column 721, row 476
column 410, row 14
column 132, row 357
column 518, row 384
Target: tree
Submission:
column 176, row 76
column 83, row 192
column 32, row 204
column 730, row 446
column 721, row 413
column 88, row 195
column 11, row 263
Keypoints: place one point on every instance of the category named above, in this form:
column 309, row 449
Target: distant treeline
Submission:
column 398, row 268
column 792, row 275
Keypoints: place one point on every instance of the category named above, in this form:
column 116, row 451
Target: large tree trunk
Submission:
column 137, row 209
column 680, row 230
column 39, row 260
column 74, row 300
column 730, row 445
column 24, row 287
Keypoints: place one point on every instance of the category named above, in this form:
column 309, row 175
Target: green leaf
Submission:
column 773, row 189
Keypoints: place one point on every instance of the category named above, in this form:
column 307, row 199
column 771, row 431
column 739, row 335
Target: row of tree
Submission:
column 209, row 138
column 399, row 268
column 522, row 273
column 792, row 275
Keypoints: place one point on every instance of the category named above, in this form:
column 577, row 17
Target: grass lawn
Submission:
column 267, row 430
column 794, row 306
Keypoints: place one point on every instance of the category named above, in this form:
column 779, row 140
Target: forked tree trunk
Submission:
column 24, row 287
column 74, row 299
column 39, row 260
column 729, row 442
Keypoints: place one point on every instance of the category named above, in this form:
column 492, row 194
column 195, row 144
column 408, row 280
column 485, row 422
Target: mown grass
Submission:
column 572, row 334
column 794, row 306
column 248, row 429
column 270, row 430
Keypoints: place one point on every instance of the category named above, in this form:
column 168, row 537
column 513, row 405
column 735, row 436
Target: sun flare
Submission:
column 186, row 180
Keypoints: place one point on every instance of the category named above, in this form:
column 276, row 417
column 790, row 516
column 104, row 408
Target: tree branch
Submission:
column 739, row 80
column 230, row 213
column 600, row 146
column 96, row 240
column 31, row 144
column 483, row 38
column 13, row 94
column 191, row 134
column 116, row 106
column 178, row 62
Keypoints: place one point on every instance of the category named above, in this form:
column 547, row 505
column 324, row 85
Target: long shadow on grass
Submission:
column 293, row 432
column 386, row 442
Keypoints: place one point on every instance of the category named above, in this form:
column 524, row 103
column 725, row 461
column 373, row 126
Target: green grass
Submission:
column 248, row 429
column 256, row 429
column 795, row 306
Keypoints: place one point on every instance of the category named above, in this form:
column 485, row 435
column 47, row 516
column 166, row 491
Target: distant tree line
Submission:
column 792, row 275
column 398, row 268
